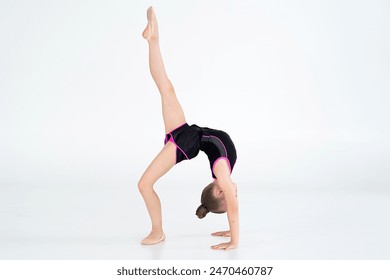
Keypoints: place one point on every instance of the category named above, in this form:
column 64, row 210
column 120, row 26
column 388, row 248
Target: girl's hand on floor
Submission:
column 225, row 233
column 224, row 246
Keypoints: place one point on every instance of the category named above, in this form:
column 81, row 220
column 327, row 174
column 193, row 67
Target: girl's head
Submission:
column 212, row 199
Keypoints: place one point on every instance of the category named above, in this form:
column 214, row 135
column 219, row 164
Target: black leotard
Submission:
column 189, row 140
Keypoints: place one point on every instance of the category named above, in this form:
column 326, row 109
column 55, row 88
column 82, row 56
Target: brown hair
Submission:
column 210, row 203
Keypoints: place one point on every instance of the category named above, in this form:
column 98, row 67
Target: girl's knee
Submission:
column 144, row 185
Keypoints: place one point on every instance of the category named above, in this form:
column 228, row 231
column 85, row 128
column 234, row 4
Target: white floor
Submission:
column 82, row 222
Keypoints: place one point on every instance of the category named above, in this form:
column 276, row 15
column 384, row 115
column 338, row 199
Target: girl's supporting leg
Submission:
column 173, row 114
column 164, row 161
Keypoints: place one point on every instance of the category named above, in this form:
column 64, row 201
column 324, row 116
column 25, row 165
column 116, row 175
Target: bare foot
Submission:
column 151, row 30
column 153, row 238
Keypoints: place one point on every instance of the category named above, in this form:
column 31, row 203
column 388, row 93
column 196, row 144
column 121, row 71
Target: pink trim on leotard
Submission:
column 177, row 146
column 228, row 162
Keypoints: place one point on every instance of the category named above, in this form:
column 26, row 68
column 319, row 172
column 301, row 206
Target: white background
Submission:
column 302, row 87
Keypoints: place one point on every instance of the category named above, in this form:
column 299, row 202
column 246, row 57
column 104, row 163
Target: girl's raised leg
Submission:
column 172, row 111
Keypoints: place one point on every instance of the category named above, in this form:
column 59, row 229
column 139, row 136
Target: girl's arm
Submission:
column 230, row 192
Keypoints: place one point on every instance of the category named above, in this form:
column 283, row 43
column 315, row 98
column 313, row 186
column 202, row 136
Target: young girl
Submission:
column 184, row 142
